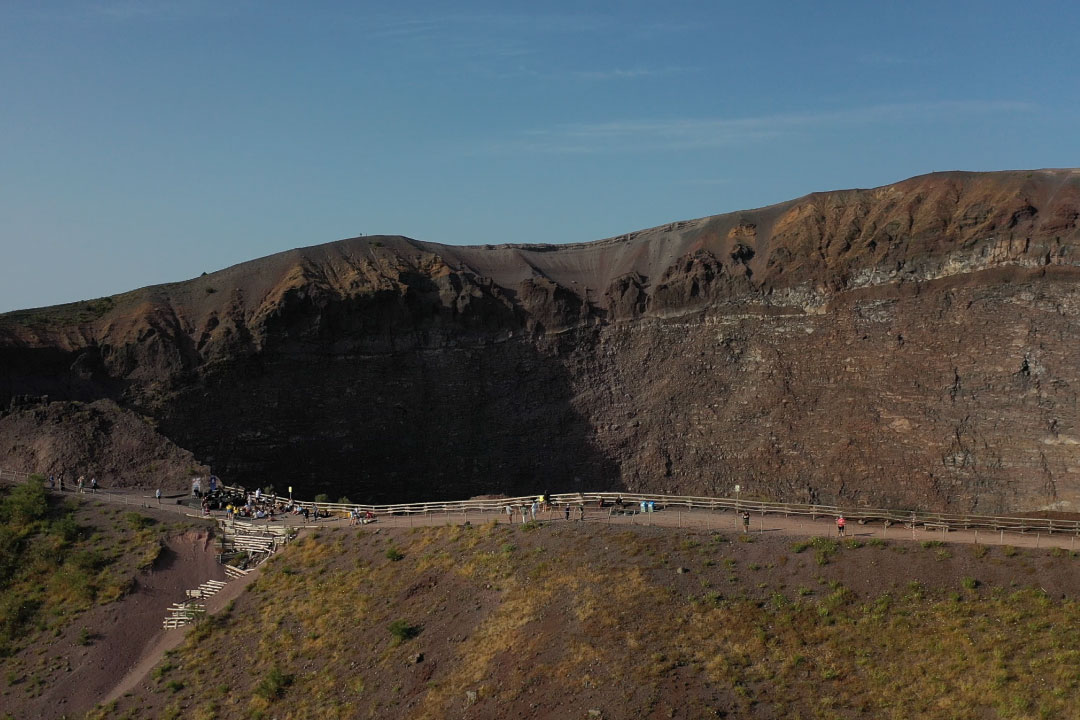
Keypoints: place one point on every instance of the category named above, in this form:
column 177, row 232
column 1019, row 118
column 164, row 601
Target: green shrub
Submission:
column 161, row 670
column 66, row 529
column 138, row 522
column 274, row 684
column 402, row 631
column 24, row 504
column 824, row 548
column 393, row 554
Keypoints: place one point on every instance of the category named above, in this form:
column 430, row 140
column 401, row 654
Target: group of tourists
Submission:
column 80, row 483
column 260, row 507
column 359, row 517
column 542, row 504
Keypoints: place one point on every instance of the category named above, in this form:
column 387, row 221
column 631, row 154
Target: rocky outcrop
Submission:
column 98, row 440
column 909, row 345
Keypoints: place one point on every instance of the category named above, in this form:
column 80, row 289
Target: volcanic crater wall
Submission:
column 911, row 346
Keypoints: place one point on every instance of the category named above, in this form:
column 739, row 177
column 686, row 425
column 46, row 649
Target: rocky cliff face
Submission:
column 910, row 345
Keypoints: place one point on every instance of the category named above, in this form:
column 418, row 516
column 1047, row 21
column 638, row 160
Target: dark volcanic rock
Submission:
column 910, row 345
column 99, row 440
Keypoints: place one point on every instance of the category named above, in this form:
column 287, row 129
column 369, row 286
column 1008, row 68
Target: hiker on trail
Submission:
column 745, row 522
column 840, row 522
column 581, row 512
column 524, row 513
column 93, row 484
column 509, row 514
column 79, row 482
column 533, row 508
column 566, row 514
column 157, row 493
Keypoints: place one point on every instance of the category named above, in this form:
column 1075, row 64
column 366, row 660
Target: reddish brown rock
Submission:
column 910, row 345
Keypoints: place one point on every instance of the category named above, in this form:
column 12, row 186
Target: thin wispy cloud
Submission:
column 132, row 11
column 704, row 133
column 125, row 10
column 503, row 35
column 627, row 73
column 890, row 60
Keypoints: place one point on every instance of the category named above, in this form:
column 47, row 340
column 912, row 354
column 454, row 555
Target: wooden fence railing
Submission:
column 952, row 521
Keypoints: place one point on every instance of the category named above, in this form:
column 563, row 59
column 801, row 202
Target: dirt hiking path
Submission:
column 726, row 521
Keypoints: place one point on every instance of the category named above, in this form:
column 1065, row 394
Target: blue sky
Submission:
column 149, row 141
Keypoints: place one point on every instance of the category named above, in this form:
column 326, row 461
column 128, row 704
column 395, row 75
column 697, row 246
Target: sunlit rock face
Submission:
column 914, row 345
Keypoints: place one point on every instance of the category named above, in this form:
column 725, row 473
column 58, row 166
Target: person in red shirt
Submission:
column 840, row 522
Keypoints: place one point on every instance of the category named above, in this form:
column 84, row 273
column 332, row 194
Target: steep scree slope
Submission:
column 909, row 345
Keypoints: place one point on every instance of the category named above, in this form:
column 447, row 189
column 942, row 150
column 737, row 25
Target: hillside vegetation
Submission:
column 62, row 561
column 574, row 620
column 52, row 567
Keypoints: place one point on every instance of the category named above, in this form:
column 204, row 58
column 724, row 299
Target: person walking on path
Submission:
column 840, row 522
column 524, row 513
column 745, row 522
column 509, row 514
column 93, row 485
column 566, row 514
column 581, row 513
column 533, row 508
column 157, row 494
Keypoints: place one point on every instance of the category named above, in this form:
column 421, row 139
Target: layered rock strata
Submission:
column 909, row 345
